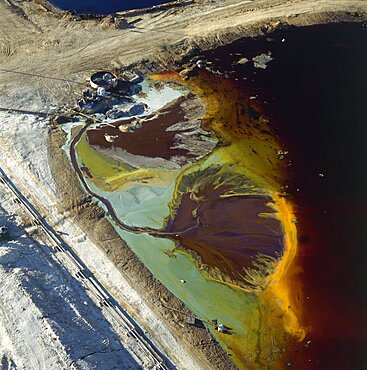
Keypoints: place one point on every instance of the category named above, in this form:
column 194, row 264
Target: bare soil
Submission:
column 40, row 42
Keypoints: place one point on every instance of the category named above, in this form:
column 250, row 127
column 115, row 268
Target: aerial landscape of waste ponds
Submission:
column 239, row 182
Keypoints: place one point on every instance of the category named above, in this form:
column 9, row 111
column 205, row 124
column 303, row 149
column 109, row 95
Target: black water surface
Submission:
column 104, row 6
column 314, row 93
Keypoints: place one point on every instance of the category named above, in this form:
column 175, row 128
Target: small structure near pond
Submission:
column 131, row 77
column 103, row 79
column 112, row 96
column 220, row 327
column 194, row 321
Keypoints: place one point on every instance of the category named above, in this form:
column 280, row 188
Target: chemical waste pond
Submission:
column 243, row 189
column 103, row 7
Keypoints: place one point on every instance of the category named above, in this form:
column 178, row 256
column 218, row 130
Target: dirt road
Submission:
column 35, row 41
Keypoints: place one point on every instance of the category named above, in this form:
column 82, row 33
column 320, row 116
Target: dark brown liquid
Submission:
column 314, row 93
column 151, row 140
column 227, row 233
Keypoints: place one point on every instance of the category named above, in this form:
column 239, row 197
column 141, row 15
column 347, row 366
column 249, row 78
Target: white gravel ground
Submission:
column 47, row 320
column 64, row 326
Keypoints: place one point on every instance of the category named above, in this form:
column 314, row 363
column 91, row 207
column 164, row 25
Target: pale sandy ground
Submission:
column 24, row 155
column 47, row 319
column 36, row 42
column 32, row 41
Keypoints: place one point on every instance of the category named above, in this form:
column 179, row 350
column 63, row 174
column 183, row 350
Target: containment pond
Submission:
column 103, row 7
column 244, row 191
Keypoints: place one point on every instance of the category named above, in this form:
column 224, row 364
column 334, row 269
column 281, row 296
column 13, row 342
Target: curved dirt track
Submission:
column 46, row 44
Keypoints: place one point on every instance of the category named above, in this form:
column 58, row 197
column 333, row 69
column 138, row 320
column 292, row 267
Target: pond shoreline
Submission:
column 81, row 175
column 91, row 219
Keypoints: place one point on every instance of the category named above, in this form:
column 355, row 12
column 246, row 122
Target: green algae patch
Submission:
column 140, row 205
column 207, row 299
column 250, row 341
column 103, row 171
column 109, row 174
column 198, row 292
